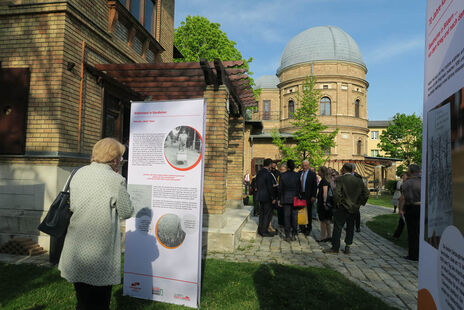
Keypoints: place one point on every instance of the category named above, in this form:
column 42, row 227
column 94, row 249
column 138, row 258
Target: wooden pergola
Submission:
column 170, row 81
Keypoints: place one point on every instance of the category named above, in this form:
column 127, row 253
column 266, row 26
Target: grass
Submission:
column 226, row 285
column 385, row 225
column 384, row 200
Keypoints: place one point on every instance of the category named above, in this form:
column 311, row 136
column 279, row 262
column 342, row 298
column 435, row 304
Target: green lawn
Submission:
column 385, row 226
column 383, row 200
column 226, row 285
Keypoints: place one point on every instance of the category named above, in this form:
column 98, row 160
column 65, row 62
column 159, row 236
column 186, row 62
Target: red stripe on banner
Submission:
column 147, row 275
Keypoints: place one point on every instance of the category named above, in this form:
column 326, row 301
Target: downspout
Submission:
column 81, row 99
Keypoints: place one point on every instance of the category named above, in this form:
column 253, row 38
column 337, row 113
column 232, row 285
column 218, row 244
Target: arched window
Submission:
column 291, row 108
column 359, row 146
column 356, row 108
column 325, row 106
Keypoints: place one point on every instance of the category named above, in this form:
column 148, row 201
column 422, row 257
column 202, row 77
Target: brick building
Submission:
column 335, row 60
column 62, row 96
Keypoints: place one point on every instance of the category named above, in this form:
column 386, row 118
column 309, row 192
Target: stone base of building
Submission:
column 225, row 238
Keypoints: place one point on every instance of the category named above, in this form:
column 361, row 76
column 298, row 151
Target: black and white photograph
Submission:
column 169, row 231
column 182, row 147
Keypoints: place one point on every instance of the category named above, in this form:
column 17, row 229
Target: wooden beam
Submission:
column 156, row 72
column 186, row 94
column 161, row 79
column 169, row 89
column 236, row 103
column 183, row 84
column 148, row 66
column 210, row 78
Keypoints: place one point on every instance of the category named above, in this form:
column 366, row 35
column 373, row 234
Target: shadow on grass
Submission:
column 290, row 287
column 20, row 285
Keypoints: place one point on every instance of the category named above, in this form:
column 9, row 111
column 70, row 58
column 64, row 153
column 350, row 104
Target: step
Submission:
column 250, row 229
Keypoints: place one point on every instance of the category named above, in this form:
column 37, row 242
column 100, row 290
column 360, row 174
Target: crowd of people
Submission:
column 336, row 198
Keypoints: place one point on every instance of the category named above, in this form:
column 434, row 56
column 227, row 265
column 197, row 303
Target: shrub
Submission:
column 391, row 186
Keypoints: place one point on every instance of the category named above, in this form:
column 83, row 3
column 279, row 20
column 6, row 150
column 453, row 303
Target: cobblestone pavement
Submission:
column 375, row 264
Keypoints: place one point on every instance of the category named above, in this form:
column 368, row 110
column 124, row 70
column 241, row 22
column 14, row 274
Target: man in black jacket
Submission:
column 308, row 191
column 266, row 197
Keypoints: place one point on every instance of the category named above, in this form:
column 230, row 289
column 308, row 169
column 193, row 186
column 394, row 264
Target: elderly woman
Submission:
column 91, row 257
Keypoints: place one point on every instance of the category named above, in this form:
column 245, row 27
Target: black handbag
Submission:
column 56, row 222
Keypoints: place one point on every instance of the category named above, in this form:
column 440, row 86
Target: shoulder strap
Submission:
column 66, row 187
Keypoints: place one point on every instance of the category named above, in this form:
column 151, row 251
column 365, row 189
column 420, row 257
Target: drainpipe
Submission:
column 81, row 99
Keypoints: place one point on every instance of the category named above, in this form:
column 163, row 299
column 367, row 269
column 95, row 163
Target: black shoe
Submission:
column 267, row 235
column 287, row 239
column 330, row 251
column 347, row 250
column 358, row 229
column 326, row 240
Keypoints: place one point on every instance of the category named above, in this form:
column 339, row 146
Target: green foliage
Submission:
column 403, row 139
column 312, row 138
column 391, row 186
column 198, row 38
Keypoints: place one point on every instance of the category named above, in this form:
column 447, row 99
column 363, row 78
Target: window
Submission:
column 325, row 86
column 149, row 16
column 144, row 11
column 325, row 106
column 374, row 135
column 135, row 8
column 359, row 147
column 356, row 108
column 291, row 108
column 267, row 109
column 14, row 86
column 374, row 153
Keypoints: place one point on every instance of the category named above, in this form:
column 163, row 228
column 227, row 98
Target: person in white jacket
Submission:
column 91, row 256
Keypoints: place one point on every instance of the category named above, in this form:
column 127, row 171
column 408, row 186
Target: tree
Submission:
column 403, row 139
column 198, row 38
column 313, row 142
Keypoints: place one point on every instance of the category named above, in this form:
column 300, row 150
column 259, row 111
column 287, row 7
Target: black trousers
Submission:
column 357, row 220
column 256, row 210
column 290, row 219
column 90, row 297
column 340, row 217
column 265, row 217
column 399, row 228
column 309, row 208
column 412, row 216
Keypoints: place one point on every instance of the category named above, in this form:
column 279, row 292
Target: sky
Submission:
column 389, row 33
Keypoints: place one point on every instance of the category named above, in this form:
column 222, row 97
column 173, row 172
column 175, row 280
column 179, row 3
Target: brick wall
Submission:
column 235, row 161
column 217, row 136
column 36, row 42
column 167, row 29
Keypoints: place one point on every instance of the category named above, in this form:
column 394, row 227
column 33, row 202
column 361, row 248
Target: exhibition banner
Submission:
column 441, row 256
column 165, row 181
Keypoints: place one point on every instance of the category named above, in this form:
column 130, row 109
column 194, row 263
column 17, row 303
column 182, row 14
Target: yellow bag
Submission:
column 303, row 216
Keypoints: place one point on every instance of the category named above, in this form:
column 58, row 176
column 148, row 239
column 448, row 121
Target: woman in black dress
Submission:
column 324, row 204
column 289, row 184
